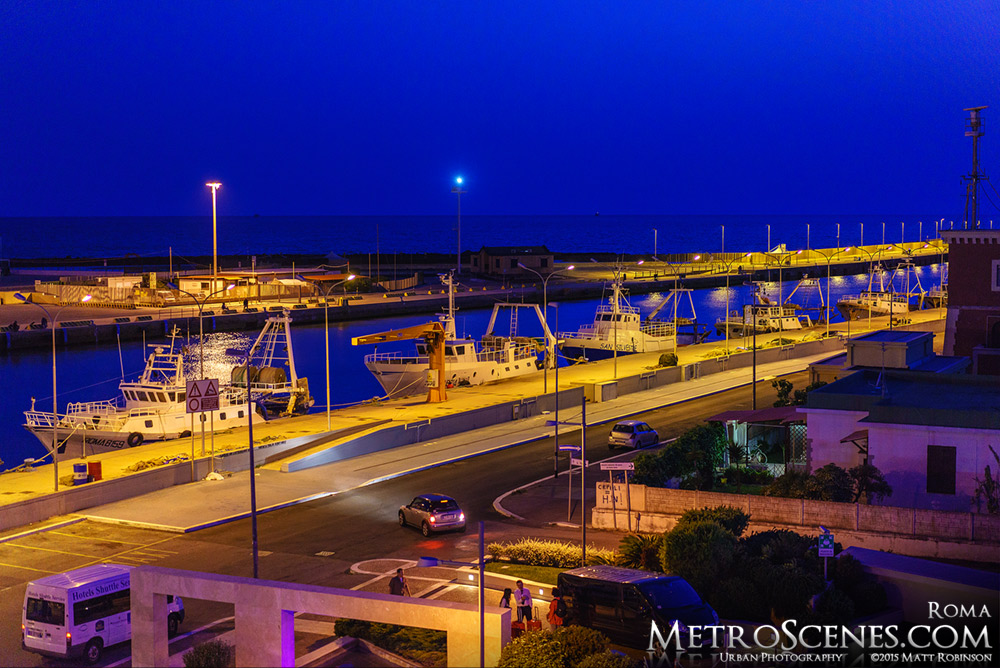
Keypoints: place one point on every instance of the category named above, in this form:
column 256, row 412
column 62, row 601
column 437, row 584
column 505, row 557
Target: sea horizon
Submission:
column 80, row 236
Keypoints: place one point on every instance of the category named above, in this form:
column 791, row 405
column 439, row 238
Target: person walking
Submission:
column 522, row 597
column 557, row 609
column 398, row 586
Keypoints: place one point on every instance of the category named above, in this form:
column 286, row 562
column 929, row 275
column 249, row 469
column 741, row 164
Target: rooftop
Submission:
column 915, row 398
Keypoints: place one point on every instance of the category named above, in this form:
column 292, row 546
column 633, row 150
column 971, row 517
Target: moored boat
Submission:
column 151, row 408
column 466, row 361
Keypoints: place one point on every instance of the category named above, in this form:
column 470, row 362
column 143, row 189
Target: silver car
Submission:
column 432, row 512
column 632, row 434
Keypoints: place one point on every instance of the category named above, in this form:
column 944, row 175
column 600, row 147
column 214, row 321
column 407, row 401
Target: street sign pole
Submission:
column 826, row 549
column 583, row 481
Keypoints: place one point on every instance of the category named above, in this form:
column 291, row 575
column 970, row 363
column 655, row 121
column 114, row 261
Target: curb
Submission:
column 48, row 527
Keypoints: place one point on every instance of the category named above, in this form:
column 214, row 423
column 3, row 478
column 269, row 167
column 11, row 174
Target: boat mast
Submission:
column 448, row 319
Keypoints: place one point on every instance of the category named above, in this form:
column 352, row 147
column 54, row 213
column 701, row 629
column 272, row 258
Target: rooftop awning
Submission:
column 859, row 438
column 779, row 414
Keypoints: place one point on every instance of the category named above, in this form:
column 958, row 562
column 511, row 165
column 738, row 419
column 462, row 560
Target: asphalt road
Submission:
column 318, row 542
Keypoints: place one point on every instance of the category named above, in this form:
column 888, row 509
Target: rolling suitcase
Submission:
column 534, row 624
column 516, row 629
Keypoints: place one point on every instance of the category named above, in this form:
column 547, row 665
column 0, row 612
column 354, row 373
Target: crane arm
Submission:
column 414, row 332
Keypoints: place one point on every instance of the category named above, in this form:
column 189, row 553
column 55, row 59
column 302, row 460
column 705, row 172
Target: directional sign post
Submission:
column 611, row 467
column 202, row 396
column 825, row 549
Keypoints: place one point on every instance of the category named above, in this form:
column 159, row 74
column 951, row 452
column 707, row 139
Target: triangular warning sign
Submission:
column 195, row 392
column 213, row 388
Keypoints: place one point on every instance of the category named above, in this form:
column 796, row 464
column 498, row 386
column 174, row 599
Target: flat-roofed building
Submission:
column 506, row 261
column 973, row 326
column 928, row 433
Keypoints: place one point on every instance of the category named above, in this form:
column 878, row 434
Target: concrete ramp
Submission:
column 312, row 445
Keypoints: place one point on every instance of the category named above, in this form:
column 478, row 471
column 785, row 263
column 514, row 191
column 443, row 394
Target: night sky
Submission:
column 127, row 108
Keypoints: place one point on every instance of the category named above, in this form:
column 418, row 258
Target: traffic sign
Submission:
column 826, row 545
column 570, row 448
column 203, row 395
column 573, row 461
column 617, row 466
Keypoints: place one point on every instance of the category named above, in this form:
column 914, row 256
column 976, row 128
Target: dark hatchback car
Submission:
column 623, row 602
column 432, row 512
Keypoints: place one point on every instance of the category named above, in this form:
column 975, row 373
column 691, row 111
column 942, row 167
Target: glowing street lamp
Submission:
column 55, row 412
column 326, row 326
column 214, row 185
column 549, row 345
column 457, row 189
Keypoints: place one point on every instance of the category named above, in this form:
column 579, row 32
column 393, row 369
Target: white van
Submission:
column 81, row 612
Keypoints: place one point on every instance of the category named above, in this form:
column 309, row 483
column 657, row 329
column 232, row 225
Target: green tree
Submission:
column 640, row 550
column 988, row 488
column 579, row 642
column 700, row 552
column 830, row 483
column 869, row 484
column 788, row 397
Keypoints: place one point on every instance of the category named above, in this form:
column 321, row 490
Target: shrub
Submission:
column 790, row 485
column 788, row 588
column 539, row 648
column 869, row 484
column 695, row 453
column 579, row 642
column 830, row 483
column 423, row 645
column 211, row 654
column 847, row 572
column 609, row 659
column 738, row 598
column 640, row 550
column 750, row 475
column 534, row 552
column 734, row 520
column 869, row 597
column 700, row 552
column 833, row 607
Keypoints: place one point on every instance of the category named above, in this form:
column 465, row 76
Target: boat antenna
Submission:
column 974, row 129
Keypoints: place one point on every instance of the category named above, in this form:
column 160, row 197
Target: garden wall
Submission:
column 912, row 531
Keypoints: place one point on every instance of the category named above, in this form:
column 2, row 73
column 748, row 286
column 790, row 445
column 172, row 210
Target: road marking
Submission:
column 50, row 527
column 47, row 549
column 81, row 536
column 27, row 568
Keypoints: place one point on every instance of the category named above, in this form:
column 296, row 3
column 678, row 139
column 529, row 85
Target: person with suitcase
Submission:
column 522, row 596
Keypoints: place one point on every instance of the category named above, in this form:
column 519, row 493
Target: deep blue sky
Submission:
column 127, row 108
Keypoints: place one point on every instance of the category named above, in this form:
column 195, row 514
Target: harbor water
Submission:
column 91, row 373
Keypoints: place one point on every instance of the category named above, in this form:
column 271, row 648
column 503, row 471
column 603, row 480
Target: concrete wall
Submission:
column 265, row 616
column 914, row 531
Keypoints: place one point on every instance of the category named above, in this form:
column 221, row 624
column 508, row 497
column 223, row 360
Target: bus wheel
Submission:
column 94, row 650
column 173, row 622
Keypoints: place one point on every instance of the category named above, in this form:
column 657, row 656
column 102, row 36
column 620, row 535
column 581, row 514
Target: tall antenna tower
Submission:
column 974, row 129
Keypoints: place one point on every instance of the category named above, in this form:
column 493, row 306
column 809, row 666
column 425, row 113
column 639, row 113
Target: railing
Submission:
column 658, row 328
column 106, row 407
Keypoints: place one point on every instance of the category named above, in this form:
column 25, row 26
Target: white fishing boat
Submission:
column 618, row 326
column 763, row 318
column 689, row 330
column 466, row 362
column 152, row 408
column 274, row 382
column 886, row 300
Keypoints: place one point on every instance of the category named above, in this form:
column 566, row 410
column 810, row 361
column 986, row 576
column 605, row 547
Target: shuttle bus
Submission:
column 80, row 612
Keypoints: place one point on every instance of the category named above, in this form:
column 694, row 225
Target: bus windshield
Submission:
column 46, row 612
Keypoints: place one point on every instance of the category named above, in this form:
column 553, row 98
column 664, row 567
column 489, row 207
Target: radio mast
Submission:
column 974, row 129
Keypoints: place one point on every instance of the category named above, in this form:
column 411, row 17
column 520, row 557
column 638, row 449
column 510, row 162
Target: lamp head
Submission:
column 640, row 261
column 172, row 285
column 427, row 562
column 20, row 297
column 521, row 265
column 696, row 258
column 86, row 298
column 214, row 185
column 458, row 180
column 571, row 267
column 350, row 278
column 230, row 287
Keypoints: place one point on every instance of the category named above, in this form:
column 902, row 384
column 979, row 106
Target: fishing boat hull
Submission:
column 405, row 376
column 592, row 350
column 83, row 435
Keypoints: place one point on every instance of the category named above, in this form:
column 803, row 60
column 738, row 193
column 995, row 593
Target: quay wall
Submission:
column 917, row 532
column 103, row 329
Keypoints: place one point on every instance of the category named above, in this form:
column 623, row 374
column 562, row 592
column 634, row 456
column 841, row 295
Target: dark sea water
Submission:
column 239, row 235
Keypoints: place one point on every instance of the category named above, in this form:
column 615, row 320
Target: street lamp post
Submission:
column 555, row 455
column 55, row 406
column 829, row 259
column 862, row 235
column 654, row 241
column 729, row 266
column 427, row 562
column 214, row 185
column 545, row 310
column 457, row 189
column 201, row 330
column 326, row 338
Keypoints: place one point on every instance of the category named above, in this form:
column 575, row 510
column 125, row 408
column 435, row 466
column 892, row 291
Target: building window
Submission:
column 940, row 469
column 995, row 282
column 545, row 262
column 496, row 263
column 513, row 263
